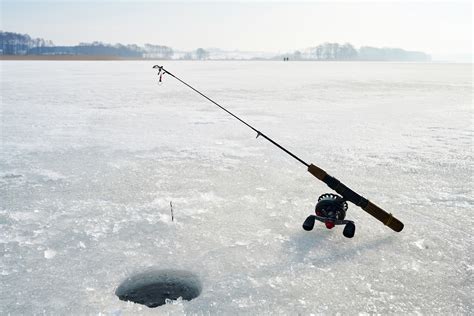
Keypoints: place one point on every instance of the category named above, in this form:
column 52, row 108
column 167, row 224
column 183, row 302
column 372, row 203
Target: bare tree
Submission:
column 202, row 54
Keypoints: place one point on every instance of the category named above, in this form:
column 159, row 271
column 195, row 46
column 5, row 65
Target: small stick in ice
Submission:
column 172, row 214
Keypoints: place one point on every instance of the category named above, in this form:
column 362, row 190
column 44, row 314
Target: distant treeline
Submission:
column 336, row 51
column 20, row 44
column 23, row 44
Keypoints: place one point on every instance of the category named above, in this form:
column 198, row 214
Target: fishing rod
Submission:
column 331, row 207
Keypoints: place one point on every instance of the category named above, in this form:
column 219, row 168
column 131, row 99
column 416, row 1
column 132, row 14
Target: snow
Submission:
column 92, row 153
column 49, row 254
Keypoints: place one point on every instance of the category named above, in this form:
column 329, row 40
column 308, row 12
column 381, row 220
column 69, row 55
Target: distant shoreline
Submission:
column 118, row 58
column 65, row 57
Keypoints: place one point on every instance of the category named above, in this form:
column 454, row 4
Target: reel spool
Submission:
column 331, row 206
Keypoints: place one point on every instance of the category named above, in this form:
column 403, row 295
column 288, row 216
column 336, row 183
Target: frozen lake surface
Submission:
column 92, row 153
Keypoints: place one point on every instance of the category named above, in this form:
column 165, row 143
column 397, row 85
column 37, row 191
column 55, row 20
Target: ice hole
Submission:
column 154, row 287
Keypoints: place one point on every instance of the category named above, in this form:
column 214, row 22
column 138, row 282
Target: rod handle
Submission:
column 317, row 172
column 386, row 218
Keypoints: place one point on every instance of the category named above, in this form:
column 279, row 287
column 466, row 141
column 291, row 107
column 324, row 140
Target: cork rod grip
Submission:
column 317, row 172
column 386, row 218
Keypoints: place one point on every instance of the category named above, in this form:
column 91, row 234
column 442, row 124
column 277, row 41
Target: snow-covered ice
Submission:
column 93, row 152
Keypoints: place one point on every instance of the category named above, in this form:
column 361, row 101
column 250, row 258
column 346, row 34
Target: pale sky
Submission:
column 437, row 28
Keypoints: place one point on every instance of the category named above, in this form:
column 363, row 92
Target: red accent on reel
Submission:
column 329, row 224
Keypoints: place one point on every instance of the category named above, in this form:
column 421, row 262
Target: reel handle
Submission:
column 348, row 194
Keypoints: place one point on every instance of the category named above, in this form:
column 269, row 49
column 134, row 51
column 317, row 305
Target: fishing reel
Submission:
column 331, row 210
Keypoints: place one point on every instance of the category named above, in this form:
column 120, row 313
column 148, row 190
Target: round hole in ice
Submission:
column 154, row 287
